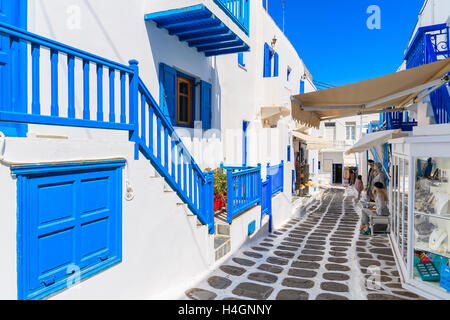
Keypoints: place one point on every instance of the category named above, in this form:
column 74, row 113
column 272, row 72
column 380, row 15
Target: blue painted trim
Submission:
column 164, row 14
column 243, row 48
column 241, row 59
column 34, row 169
column 211, row 40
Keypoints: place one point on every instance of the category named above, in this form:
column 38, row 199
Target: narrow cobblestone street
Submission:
column 321, row 256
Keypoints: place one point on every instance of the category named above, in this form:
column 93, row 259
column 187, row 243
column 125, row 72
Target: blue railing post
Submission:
column 230, row 194
column 134, row 103
column 210, row 202
column 269, row 202
column 259, row 185
column 282, row 175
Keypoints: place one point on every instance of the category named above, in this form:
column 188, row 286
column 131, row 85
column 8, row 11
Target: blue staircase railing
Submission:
column 148, row 127
column 238, row 11
column 430, row 44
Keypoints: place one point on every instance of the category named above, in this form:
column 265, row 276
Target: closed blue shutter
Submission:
column 275, row 65
column 302, row 87
column 267, row 64
column 70, row 221
column 206, row 104
column 169, row 92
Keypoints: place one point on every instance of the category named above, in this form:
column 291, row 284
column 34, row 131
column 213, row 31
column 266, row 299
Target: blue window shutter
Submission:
column 169, row 92
column 206, row 104
column 267, row 64
column 275, row 65
column 302, row 87
column 70, row 220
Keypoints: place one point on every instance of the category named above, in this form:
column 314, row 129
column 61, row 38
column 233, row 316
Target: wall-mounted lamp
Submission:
column 274, row 41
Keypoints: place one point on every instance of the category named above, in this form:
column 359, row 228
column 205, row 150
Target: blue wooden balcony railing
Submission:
column 430, row 44
column 148, row 127
column 243, row 190
column 397, row 120
column 276, row 174
column 238, row 11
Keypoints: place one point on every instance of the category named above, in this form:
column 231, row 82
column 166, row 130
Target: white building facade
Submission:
column 117, row 110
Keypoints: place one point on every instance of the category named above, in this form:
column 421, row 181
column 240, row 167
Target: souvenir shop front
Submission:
column 420, row 209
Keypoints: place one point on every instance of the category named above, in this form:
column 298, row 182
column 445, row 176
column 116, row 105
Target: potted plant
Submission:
column 220, row 189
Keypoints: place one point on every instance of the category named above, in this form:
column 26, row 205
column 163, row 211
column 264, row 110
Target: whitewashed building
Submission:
column 110, row 113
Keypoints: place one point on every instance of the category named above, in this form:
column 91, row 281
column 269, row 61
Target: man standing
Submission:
column 369, row 182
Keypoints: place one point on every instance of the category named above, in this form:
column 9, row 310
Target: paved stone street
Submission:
column 319, row 257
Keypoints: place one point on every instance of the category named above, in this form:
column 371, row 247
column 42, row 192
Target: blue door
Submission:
column 13, row 67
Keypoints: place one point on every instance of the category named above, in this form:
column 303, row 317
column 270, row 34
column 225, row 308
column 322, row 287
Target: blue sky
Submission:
column 332, row 38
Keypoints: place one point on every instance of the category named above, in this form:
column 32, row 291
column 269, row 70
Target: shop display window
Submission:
column 431, row 220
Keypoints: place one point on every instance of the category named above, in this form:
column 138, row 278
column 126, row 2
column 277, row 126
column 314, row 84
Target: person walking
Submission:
column 359, row 186
column 370, row 179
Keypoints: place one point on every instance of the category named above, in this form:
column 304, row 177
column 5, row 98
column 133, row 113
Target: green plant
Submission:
column 220, row 180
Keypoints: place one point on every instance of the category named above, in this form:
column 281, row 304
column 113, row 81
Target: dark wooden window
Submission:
column 184, row 101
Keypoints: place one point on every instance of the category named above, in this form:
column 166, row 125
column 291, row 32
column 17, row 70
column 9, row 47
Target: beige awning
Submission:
column 268, row 112
column 371, row 140
column 313, row 143
column 371, row 96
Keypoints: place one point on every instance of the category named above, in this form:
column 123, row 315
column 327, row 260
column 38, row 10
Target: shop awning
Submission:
column 375, row 139
column 268, row 112
column 398, row 90
column 313, row 143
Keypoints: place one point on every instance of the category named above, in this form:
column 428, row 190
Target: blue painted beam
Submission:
column 202, row 35
column 224, row 45
column 210, row 25
column 213, row 40
column 175, row 12
column 186, row 22
column 243, row 48
column 189, row 35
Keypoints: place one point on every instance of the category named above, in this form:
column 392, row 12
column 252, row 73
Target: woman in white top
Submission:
column 381, row 203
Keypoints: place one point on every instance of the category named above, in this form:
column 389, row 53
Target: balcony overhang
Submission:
column 201, row 29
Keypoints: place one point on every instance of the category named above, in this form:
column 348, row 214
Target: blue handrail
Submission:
column 184, row 176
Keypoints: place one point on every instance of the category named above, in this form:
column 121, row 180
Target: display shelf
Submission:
column 422, row 248
column 433, row 215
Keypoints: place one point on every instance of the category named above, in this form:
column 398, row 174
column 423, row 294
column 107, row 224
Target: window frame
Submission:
column 349, row 125
column 191, row 100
